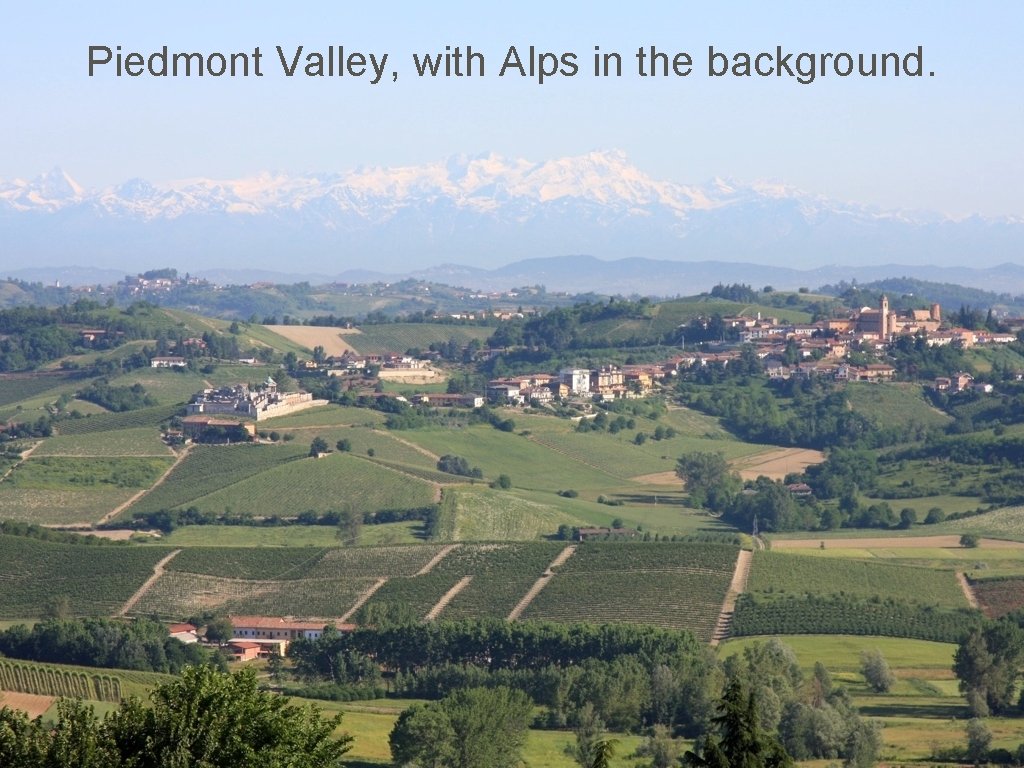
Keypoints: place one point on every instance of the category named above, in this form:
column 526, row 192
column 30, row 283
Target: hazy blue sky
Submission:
column 951, row 143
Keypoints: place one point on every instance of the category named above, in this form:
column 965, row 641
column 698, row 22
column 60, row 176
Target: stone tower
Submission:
column 883, row 321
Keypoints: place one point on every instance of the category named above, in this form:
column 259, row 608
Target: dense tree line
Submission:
column 630, row 675
column 565, row 328
column 205, row 718
column 816, row 415
column 93, row 642
column 117, row 398
column 33, row 531
column 167, row 520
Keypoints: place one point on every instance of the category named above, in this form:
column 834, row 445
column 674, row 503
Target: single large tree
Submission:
column 708, row 479
column 471, row 728
column 738, row 742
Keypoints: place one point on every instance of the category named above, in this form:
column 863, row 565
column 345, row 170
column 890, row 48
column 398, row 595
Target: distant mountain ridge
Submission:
column 583, row 274
column 485, row 210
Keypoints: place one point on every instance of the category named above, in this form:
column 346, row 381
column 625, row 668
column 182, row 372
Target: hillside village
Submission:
column 784, row 350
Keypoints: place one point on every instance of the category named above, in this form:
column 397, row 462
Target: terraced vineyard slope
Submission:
column 96, row 580
column 672, row 585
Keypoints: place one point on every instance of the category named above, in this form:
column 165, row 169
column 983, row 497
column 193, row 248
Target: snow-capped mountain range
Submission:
column 482, row 211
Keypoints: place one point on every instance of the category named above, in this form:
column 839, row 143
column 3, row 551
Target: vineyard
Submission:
column 423, row 473
column 321, row 485
column 677, row 586
column 501, row 575
column 107, row 422
column 778, row 574
column 328, row 415
column 277, row 563
column 178, row 595
column 209, row 468
column 999, row 597
column 15, row 389
column 373, row 562
column 894, row 405
column 50, row 680
column 59, row 507
column 839, row 615
column 399, row 337
column 385, row 448
column 1007, row 523
column 95, row 579
column 142, row 441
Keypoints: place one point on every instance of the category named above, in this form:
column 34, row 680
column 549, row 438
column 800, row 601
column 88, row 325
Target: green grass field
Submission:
column 70, row 473
column 530, row 466
column 59, row 489
column 841, row 653
column 371, row 723
column 482, row 514
column 168, row 386
column 778, row 574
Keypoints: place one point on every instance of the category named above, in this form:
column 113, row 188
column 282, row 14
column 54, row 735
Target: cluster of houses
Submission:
column 260, row 637
column 821, row 351
column 140, row 285
column 608, row 382
column 960, row 382
column 350, row 363
column 867, row 328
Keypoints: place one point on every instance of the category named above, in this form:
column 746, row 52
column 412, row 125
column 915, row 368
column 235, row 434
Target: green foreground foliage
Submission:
column 205, row 719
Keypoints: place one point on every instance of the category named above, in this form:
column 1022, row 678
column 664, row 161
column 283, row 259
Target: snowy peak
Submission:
column 482, row 184
column 48, row 191
column 483, row 209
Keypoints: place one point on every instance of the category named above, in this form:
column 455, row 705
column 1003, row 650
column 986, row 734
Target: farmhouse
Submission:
column 185, row 633
column 450, row 401
column 199, row 427
column 168, row 362
column 274, row 633
column 244, row 651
